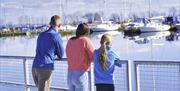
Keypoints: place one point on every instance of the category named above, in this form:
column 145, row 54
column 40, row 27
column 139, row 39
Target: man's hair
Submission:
column 53, row 20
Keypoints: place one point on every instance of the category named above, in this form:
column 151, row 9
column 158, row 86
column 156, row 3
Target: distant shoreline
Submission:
column 17, row 33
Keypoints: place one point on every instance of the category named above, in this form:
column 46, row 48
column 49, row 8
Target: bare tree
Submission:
column 154, row 13
column 90, row 17
column 133, row 16
column 97, row 17
column 115, row 17
column 172, row 11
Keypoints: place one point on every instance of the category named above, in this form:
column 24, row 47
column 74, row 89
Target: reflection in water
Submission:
column 145, row 38
column 174, row 36
column 146, row 46
column 99, row 34
column 142, row 41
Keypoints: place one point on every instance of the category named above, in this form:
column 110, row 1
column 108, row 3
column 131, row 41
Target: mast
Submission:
column 125, row 15
column 4, row 12
column 103, row 10
column 23, row 18
column 179, row 7
column 59, row 7
column 149, row 8
column 63, row 7
column 104, row 7
column 1, row 13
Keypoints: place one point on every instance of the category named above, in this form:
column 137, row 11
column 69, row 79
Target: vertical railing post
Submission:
column 127, row 72
column 132, row 76
column 91, row 78
column 26, row 74
column 179, row 74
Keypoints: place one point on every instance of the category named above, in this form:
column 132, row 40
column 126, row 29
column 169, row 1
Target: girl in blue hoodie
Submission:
column 105, row 60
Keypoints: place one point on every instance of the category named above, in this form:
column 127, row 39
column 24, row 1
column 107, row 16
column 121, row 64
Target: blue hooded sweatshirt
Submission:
column 105, row 76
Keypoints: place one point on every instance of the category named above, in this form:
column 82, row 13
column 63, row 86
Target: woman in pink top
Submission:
column 79, row 51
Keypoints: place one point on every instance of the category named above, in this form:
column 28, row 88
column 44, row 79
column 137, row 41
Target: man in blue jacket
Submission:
column 49, row 44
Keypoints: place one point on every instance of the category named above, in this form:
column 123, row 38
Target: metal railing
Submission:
column 157, row 75
column 16, row 71
column 15, row 74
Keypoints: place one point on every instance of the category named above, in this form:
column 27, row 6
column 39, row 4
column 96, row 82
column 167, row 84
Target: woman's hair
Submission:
column 82, row 30
column 54, row 19
column 105, row 40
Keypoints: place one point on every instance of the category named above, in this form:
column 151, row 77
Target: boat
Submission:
column 68, row 27
column 133, row 25
column 177, row 26
column 177, row 22
column 173, row 20
column 4, row 29
column 104, row 26
column 154, row 25
column 154, row 28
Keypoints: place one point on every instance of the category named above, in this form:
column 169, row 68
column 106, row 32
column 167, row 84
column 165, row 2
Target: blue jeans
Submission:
column 78, row 81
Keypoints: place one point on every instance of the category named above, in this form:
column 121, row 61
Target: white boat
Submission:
column 68, row 27
column 134, row 25
column 178, row 26
column 155, row 25
column 104, row 27
column 154, row 28
column 4, row 29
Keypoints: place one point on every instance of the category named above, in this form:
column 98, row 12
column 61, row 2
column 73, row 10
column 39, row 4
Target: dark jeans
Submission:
column 104, row 87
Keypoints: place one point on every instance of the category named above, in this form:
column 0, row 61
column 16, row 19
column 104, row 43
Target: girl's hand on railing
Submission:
column 118, row 63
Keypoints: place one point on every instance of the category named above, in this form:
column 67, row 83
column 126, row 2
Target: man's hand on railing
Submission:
column 62, row 59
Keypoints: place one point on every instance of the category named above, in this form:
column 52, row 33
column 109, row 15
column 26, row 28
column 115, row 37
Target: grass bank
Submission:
column 17, row 33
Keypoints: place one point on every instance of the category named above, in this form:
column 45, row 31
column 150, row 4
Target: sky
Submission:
column 37, row 11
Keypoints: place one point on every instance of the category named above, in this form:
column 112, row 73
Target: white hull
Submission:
column 104, row 28
column 134, row 25
column 68, row 27
column 154, row 28
column 178, row 26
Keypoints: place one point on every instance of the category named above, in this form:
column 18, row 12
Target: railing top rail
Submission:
column 158, row 62
column 123, row 61
column 31, row 57
column 25, row 57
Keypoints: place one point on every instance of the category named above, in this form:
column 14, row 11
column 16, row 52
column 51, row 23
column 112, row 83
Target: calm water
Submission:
column 147, row 46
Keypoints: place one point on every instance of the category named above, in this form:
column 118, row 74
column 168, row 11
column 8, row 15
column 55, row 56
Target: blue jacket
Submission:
column 49, row 44
column 105, row 76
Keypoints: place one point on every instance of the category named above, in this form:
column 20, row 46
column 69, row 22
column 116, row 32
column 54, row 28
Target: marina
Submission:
column 145, row 34
column 149, row 50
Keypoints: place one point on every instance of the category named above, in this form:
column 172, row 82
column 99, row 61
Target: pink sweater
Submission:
column 79, row 54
